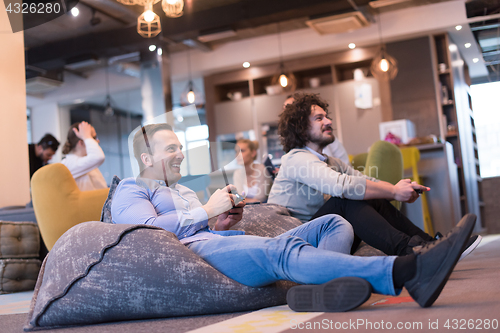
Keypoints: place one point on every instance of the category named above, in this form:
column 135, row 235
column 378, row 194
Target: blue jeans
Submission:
column 313, row 253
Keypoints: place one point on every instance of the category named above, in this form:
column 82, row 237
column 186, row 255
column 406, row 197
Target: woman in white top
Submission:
column 253, row 179
column 84, row 156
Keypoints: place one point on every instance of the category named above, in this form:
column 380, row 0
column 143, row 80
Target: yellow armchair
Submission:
column 59, row 204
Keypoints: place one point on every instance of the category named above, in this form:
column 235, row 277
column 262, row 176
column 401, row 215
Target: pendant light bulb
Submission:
column 191, row 96
column 109, row 111
column 384, row 65
column 283, row 80
column 149, row 15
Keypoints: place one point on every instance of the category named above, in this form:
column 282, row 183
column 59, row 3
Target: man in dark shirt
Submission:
column 41, row 152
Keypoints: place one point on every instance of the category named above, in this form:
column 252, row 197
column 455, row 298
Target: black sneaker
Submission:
column 472, row 243
column 436, row 261
column 338, row 295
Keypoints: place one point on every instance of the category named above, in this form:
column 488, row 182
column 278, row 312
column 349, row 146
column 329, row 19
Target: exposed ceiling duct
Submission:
column 83, row 63
column 338, row 23
column 217, row 35
column 41, row 85
column 385, row 3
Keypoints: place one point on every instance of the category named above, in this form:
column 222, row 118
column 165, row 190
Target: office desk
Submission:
column 438, row 171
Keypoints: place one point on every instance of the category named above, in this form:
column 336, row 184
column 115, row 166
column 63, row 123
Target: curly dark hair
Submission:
column 294, row 120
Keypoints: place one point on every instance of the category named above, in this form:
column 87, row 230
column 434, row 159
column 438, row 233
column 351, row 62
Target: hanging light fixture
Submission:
column 173, row 8
column 285, row 79
column 108, row 109
column 148, row 23
column 383, row 67
column 189, row 95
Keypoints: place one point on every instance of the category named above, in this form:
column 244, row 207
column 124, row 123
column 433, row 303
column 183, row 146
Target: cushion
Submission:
column 18, row 274
column 126, row 272
column 19, row 240
column 106, row 208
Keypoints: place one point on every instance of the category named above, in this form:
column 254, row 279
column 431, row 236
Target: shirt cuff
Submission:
column 91, row 140
column 199, row 215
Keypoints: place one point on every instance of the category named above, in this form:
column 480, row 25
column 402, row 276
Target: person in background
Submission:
column 84, row 156
column 40, row 153
column 311, row 184
column 334, row 149
column 254, row 179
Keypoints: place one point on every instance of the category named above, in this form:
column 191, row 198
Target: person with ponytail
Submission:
column 84, row 156
column 253, row 179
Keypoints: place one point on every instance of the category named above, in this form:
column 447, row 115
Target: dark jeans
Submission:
column 377, row 222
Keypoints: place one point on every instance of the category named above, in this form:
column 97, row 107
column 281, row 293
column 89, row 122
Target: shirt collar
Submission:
column 320, row 156
column 153, row 183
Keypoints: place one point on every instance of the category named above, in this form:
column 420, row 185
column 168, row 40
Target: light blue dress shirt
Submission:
column 175, row 208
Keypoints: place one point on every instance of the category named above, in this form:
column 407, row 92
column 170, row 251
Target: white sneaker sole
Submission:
column 471, row 247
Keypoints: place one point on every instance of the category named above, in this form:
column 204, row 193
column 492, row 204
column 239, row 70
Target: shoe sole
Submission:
column 437, row 283
column 471, row 248
column 338, row 295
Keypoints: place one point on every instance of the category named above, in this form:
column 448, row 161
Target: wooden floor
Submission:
column 469, row 302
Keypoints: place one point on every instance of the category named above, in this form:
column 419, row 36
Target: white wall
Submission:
column 45, row 118
column 14, row 166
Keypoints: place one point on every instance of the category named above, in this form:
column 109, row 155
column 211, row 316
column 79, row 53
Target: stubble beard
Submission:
column 322, row 142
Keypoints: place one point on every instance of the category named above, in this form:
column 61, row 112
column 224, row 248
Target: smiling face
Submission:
column 166, row 159
column 320, row 127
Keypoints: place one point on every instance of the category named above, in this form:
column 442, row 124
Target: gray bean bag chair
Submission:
column 99, row 272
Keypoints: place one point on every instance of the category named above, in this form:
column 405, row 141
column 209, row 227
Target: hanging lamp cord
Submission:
column 380, row 31
column 189, row 64
column 280, row 50
column 107, row 82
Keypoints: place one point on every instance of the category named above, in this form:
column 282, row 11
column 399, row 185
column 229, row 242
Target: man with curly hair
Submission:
column 306, row 176
column 334, row 149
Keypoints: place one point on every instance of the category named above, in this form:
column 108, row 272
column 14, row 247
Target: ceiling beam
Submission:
column 484, row 27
